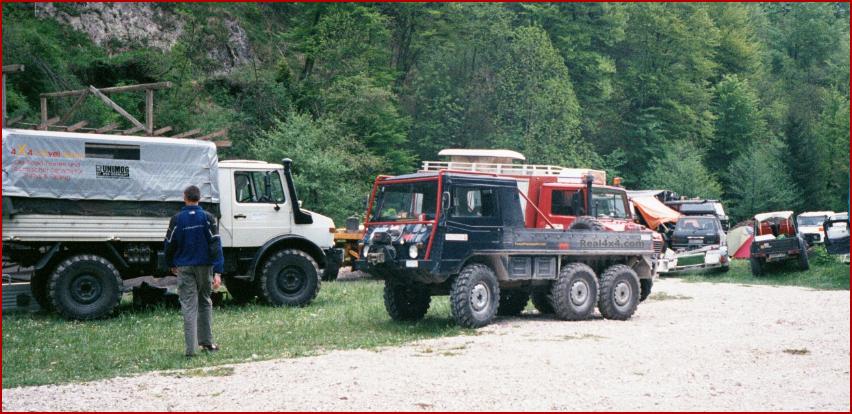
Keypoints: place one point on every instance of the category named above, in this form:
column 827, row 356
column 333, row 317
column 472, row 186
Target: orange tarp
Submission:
column 654, row 211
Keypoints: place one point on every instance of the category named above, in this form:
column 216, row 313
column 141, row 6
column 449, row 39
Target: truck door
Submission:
column 474, row 221
column 259, row 209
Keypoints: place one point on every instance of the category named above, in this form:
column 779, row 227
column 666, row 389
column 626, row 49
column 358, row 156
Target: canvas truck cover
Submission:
column 75, row 166
column 654, row 211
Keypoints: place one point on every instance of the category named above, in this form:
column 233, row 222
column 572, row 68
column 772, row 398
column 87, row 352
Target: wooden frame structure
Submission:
column 147, row 128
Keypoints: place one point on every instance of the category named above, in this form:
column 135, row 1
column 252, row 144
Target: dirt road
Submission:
column 689, row 347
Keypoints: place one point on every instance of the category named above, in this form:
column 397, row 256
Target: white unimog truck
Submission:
column 88, row 211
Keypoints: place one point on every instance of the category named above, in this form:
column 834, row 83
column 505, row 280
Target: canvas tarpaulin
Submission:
column 654, row 211
column 74, row 166
column 739, row 242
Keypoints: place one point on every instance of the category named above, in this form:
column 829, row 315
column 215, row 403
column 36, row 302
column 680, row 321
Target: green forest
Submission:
column 748, row 103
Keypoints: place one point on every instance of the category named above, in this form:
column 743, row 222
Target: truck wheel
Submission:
column 289, row 277
column 586, row 223
column 645, row 286
column 406, row 301
column 756, row 266
column 540, row 297
column 804, row 264
column 85, row 287
column 241, row 290
column 474, row 296
column 619, row 293
column 513, row 301
column 574, row 292
column 40, row 288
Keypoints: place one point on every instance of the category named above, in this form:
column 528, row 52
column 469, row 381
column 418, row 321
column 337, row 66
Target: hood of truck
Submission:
column 319, row 231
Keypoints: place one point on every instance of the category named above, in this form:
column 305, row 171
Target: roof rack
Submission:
column 571, row 175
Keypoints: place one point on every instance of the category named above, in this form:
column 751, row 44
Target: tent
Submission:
column 739, row 242
column 654, row 211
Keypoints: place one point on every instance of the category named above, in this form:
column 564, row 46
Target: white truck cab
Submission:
column 810, row 225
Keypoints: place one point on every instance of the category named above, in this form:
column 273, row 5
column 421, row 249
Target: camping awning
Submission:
column 654, row 211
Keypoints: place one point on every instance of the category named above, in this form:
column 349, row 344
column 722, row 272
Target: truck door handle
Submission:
column 236, row 216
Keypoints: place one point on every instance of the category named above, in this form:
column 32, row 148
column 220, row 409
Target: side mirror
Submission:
column 445, row 201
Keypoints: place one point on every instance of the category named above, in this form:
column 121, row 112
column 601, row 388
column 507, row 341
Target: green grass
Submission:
column 826, row 273
column 45, row 349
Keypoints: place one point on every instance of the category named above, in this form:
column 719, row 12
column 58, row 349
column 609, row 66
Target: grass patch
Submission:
column 45, row 349
column 825, row 273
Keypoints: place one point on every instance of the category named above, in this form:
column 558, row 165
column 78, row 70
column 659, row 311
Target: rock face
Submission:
column 123, row 26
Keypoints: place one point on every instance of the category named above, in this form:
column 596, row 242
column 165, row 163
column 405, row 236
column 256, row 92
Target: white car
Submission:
column 810, row 225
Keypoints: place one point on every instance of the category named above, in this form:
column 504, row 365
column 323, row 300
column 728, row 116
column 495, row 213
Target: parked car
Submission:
column 836, row 234
column 699, row 242
column 700, row 207
column 810, row 225
column 776, row 239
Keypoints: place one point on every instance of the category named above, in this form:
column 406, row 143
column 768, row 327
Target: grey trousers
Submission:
column 194, row 286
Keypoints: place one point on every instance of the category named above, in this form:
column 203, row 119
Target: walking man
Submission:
column 194, row 254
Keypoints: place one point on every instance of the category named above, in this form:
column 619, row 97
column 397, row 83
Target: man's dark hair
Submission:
column 192, row 193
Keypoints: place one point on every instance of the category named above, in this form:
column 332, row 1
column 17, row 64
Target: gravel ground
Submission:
column 689, row 347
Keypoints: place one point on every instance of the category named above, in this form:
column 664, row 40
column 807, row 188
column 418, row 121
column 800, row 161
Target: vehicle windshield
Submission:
column 405, row 202
column 610, row 204
column 811, row 220
column 703, row 224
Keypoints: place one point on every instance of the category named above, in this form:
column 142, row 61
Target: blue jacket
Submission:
column 193, row 240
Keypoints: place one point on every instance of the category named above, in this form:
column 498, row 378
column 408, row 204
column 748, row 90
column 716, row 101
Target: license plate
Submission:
column 696, row 241
column 777, row 256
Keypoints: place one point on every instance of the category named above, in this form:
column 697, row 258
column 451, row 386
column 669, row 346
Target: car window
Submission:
column 258, row 187
column 561, row 203
column 474, row 202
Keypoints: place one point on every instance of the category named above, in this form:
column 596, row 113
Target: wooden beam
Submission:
column 43, row 112
column 217, row 134
column 222, row 144
column 74, row 107
column 149, row 110
column 116, row 107
column 106, row 128
column 114, row 89
column 77, row 126
column 162, row 131
column 187, row 134
column 13, row 68
column 48, row 123
column 133, row 130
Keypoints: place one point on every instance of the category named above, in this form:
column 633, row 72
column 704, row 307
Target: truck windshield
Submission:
column 609, row 204
column 811, row 220
column 696, row 224
column 405, row 202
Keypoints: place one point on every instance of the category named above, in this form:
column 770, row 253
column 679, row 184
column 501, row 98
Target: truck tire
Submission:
column 85, row 287
column 586, row 223
column 513, row 301
column 574, row 292
column 756, row 266
column 289, row 278
column 40, row 288
column 406, row 301
column 474, row 296
column 619, row 294
column 241, row 290
column 645, row 286
column 540, row 297
column 804, row 264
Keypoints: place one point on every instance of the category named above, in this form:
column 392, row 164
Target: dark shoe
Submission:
column 210, row 348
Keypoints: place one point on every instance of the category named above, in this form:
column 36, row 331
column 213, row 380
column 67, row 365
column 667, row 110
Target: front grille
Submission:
column 658, row 246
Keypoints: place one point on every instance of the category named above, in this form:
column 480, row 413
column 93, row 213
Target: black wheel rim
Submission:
column 86, row 289
column 290, row 280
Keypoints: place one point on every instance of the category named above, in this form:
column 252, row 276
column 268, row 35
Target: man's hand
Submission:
column 174, row 271
column 217, row 281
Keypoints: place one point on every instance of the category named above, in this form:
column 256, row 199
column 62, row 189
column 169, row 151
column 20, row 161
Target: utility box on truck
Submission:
column 87, row 211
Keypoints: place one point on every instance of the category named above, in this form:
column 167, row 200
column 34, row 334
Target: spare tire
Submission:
column 586, row 223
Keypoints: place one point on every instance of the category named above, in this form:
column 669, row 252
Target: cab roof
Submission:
column 250, row 164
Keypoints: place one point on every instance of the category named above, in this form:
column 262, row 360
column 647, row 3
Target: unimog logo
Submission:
column 112, row 171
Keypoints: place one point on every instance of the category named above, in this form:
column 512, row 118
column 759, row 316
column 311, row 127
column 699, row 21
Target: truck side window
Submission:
column 250, row 187
column 474, row 202
column 560, row 204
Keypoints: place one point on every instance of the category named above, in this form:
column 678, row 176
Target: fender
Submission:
column 311, row 249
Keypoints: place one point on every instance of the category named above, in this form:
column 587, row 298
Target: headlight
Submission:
column 412, row 251
column 365, row 250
